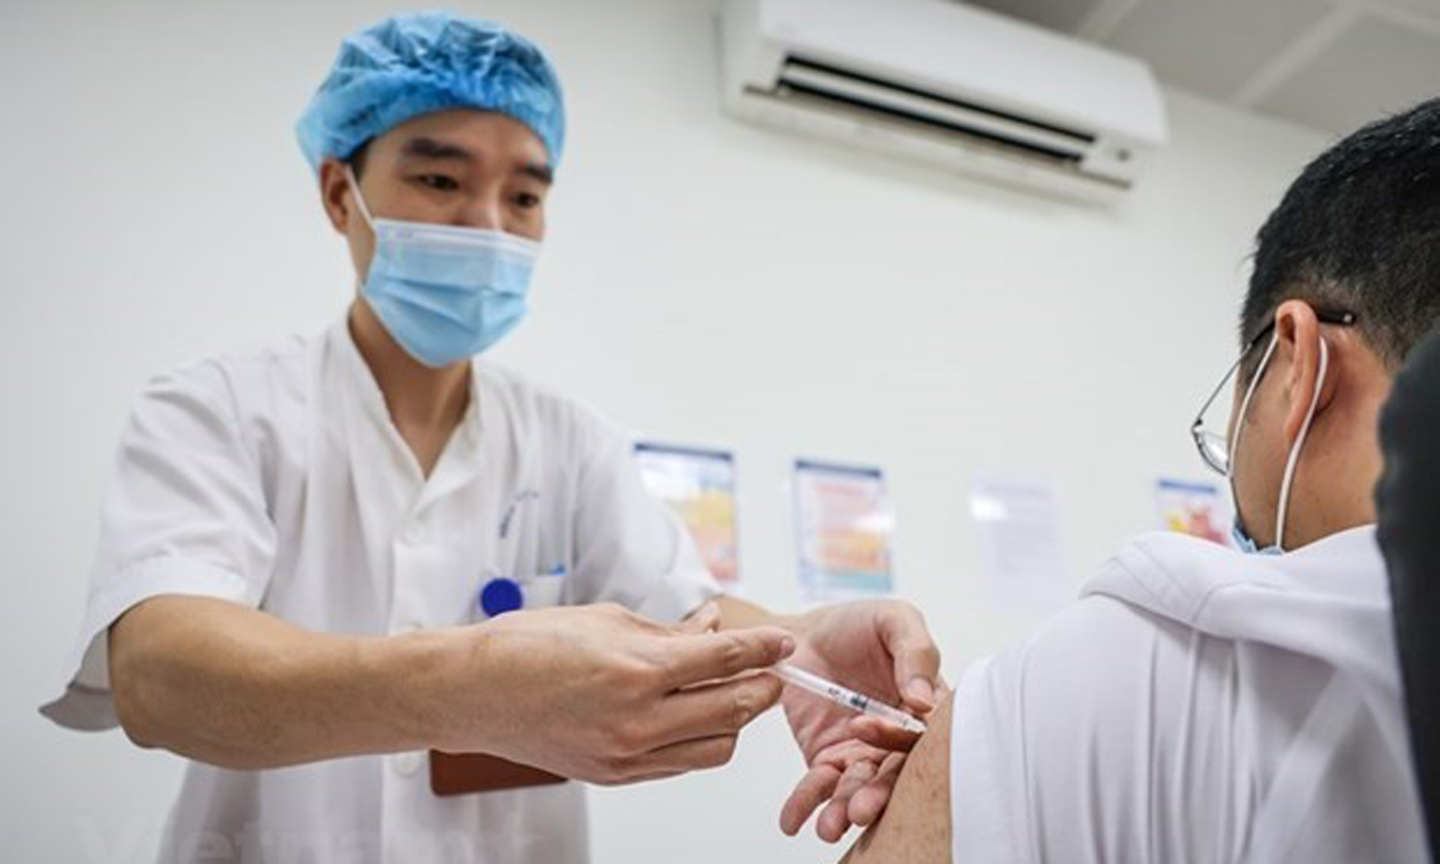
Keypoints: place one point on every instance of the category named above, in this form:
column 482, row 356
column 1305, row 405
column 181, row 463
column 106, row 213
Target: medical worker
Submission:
column 1209, row 704
column 321, row 559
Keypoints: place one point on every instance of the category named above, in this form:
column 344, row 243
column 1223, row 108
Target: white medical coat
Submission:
column 277, row 480
column 1196, row 705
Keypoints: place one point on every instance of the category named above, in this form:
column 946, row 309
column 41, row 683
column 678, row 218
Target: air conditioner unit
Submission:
column 945, row 83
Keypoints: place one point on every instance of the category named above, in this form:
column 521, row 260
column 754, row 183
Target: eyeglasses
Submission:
column 1215, row 447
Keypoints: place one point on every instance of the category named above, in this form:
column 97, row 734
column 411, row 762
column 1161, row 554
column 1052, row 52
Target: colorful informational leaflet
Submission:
column 699, row 485
column 1197, row 509
column 844, row 531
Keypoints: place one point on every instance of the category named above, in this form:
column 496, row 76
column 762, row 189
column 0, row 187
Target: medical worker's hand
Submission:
column 879, row 648
column 600, row 694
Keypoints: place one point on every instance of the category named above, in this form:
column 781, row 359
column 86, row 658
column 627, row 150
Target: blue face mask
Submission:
column 445, row 293
column 1245, row 543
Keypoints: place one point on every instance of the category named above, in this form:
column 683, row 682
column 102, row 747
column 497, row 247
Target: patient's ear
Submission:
column 915, row 827
column 1300, row 345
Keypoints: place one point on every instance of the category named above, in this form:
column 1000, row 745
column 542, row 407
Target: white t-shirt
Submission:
column 277, row 480
column 1196, row 705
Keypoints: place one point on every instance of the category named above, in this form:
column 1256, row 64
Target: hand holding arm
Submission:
column 880, row 648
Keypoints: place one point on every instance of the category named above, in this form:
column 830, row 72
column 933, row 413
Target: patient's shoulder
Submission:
column 915, row 828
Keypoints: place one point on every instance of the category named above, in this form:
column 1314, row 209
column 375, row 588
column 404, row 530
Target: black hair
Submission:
column 1359, row 230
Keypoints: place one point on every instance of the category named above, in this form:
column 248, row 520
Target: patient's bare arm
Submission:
column 915, row 827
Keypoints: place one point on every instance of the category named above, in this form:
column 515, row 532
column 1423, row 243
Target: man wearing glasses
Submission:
column 1203, row 703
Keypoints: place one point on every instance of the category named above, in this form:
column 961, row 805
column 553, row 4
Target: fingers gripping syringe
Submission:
column 845, row 697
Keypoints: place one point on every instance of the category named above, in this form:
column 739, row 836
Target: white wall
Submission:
column 703, row 282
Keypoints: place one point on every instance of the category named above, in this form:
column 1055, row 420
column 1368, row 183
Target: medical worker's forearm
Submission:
column 238, row 688
column 596, row 693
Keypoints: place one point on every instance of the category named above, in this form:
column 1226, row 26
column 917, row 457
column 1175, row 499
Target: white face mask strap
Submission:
column 359, row 199
column 1294, row 459
column 1245, row 406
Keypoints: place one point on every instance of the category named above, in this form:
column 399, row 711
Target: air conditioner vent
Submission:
column 828, row 86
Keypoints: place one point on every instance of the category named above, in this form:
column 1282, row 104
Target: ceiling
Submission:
column 1327, row 64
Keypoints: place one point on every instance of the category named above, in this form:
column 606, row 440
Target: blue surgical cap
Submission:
column 417, row 64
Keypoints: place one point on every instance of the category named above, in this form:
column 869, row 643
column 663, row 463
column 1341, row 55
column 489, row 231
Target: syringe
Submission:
column 843, row 696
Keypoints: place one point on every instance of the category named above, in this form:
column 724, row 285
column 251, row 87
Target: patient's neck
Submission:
column 1334, row 487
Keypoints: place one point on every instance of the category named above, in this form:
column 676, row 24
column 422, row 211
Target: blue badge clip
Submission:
column 501, row 595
